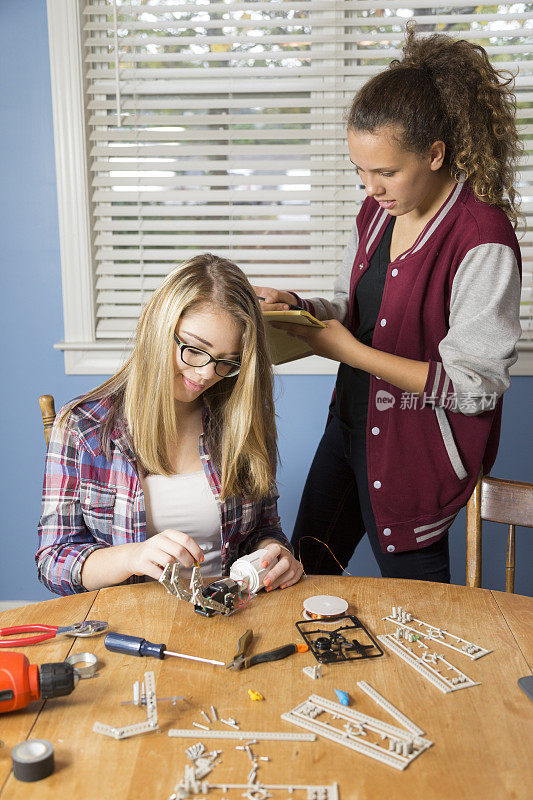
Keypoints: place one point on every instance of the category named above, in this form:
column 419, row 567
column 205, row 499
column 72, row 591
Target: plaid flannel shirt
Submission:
column 91, row 502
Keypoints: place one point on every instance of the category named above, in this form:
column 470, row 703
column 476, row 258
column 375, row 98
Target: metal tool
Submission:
column 137, row 646
column 90, row 627
column 85, row 664
column 240, row 660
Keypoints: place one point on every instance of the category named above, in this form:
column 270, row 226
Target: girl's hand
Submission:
column 274, row 299
column 285, row 572
column 334, row 341
column 152, row 556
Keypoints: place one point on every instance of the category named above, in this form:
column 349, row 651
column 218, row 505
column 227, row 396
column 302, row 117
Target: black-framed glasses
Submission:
column 196, row 357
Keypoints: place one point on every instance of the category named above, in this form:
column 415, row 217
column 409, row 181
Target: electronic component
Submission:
column 340, row 644
column 324, row 607
column 222, row 596
column 224, row 591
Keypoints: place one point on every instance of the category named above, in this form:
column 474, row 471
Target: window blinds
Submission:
column 219, row 126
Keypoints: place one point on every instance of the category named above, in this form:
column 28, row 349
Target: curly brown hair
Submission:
column 446, row 89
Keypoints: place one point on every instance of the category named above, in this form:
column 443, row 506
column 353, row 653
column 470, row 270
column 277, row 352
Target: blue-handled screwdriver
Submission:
column 137, row 646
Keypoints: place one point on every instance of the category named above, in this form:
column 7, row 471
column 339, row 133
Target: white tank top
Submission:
column 185, row 503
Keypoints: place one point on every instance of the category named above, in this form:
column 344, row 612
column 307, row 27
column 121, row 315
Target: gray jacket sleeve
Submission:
column 480, row 346
column 337, row 308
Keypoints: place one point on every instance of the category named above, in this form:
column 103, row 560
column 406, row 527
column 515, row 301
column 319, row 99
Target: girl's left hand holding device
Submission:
column 285, row 572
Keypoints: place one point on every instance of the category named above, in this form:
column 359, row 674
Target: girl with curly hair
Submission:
column 425, row 316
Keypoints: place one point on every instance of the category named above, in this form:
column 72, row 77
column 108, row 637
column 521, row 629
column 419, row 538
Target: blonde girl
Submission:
column 173, row 458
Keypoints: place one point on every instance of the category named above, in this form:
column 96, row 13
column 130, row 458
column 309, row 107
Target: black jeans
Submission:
column 336, row 508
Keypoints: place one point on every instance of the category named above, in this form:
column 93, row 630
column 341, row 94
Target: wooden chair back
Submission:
column 48, row 411
column 496, row 500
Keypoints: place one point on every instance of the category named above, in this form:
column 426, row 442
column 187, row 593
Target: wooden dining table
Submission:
column 482, row 735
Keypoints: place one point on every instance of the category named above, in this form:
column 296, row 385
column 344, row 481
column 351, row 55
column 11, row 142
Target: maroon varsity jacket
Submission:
column 452, row 300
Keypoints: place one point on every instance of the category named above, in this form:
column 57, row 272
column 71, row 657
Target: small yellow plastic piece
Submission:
column 255, row 695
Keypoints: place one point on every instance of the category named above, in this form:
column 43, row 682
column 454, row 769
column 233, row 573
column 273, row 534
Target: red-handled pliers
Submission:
column 91, row 627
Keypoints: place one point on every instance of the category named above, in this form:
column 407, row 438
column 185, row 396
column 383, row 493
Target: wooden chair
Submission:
column 497, row 500
column 48, row 411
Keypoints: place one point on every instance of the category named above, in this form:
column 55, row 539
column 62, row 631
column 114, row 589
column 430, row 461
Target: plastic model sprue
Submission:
column 222, row 596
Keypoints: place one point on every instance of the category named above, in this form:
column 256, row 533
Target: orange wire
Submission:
column 241, row 605
column 300, row 540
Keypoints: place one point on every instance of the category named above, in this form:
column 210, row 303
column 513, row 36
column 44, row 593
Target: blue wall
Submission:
column 31, row 321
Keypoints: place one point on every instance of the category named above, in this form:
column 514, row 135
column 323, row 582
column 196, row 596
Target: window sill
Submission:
column 105, row 358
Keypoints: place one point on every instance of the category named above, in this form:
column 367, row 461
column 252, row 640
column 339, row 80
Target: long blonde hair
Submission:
column 241, row 431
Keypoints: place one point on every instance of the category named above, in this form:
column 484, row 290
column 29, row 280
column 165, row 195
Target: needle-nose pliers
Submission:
column 240, row 661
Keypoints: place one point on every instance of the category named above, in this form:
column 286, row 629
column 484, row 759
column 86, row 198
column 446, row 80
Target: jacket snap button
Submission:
column 226, row 545
column 377, row 484
column 391, row 548
column 383, row 323
column 387, row 531
column 394, row 272
column 375, row 431
column 361, row 266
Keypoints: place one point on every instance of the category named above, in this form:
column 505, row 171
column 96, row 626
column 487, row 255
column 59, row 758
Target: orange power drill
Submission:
column 22, row 682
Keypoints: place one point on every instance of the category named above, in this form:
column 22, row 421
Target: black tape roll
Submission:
column 33, row 760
